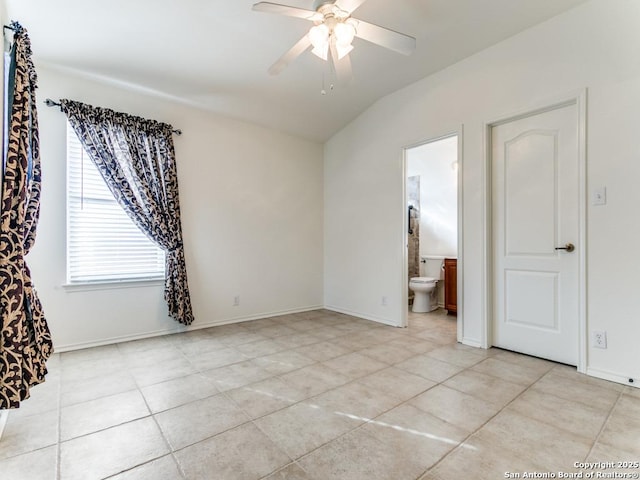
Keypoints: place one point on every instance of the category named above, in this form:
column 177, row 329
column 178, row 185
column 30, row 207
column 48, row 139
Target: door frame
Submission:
column 579, row 99
column 404, row 320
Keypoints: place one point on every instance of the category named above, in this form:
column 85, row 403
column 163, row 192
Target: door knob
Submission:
column 569, row 247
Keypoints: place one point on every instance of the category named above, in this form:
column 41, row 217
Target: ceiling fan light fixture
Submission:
column 319, row 38
column 321, row 52
column 344, row 33
column 343, row 50
column 319, row 35
column 334, row 30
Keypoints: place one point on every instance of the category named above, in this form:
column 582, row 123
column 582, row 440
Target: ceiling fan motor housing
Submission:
column 318, row 4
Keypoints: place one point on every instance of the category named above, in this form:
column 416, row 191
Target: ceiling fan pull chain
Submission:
column 323, row 91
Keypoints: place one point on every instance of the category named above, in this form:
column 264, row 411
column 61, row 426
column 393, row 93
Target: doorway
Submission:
column 432, row 226
column 537, row 233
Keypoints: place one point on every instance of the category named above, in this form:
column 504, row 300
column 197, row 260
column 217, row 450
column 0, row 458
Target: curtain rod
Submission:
column 50, row 103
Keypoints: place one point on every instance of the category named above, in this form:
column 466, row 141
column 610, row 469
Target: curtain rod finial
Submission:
column 50, row 103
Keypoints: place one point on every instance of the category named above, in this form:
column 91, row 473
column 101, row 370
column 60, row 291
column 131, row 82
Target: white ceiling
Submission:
column 215, row 53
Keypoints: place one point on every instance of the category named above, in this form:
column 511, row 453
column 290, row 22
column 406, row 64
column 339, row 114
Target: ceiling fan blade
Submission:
column 290, row 56
column 342, row 66
column 279, row 9
column 398, row 42
column 349, row 5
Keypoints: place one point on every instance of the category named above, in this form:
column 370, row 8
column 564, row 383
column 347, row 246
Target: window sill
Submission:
column 112, row 284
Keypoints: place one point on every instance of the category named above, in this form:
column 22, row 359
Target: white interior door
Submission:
column 535, row 169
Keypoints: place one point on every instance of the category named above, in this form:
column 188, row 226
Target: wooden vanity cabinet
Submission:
column 451, row 285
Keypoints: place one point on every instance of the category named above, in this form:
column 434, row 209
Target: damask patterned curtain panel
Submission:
column 25, row 344
column 136, row 158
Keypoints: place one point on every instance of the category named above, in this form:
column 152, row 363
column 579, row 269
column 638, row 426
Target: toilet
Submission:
column 425, row 288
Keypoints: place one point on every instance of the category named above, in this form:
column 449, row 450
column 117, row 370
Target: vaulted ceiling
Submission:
column 214, row 54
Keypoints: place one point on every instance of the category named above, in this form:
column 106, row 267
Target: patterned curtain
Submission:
column 135, row 156
column 26, row 342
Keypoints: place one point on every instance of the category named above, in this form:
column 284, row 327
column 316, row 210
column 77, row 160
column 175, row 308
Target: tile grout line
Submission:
column 249, row 417
column 155, row 421
column 604, row 424
column 4, row 418
column 457, row 447
column 138, row 388
column 229, row 398
column 293, row 462
column 97, row 399
column 202, row 372
column 357, row 427
column 225, row 394
column 371, row 420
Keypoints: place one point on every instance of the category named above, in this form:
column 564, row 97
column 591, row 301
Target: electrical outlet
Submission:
column 384, row 301
column 599, row 339
column 236, row 301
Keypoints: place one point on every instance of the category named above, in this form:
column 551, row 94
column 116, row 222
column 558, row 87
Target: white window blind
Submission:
column 103, row 244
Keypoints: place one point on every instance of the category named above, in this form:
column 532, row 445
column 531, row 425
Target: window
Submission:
column 103, row 244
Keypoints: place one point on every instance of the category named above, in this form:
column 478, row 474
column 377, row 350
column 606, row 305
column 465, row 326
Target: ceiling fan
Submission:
column 332, row 33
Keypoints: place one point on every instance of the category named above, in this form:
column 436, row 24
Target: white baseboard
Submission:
column 471, row 342
column 180, row 328
column 613, row 377
column 364, row 316
column 4, row 415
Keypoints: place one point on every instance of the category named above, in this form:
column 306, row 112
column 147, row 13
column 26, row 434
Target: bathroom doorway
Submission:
column 432, row 231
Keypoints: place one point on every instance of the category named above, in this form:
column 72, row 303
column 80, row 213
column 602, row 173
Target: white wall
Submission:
column 595, row 46
column 252, row 218
column 436, row 165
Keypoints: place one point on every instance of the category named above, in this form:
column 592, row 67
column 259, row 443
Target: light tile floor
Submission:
column 315, row 396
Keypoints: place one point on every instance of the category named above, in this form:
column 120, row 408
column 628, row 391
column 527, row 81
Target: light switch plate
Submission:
column 600, row 196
